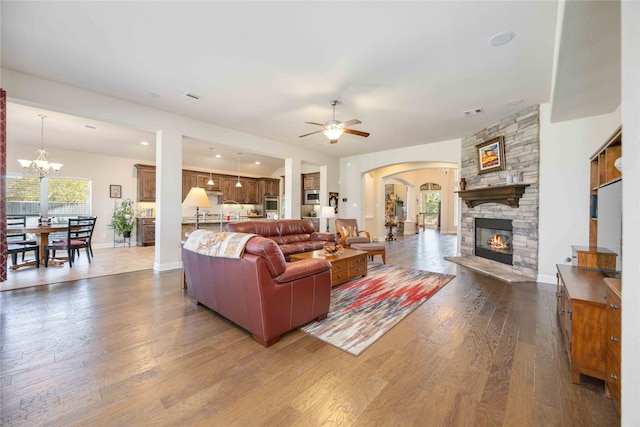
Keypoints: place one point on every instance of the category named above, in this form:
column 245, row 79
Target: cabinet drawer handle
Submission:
column 615, row 307
column 613, row 376
column 614, row 339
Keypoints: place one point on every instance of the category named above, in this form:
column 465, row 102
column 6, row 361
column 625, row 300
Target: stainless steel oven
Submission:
column 311, row 197
column 271, row 204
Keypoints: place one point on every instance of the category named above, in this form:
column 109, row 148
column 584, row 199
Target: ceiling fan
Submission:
column 334, row 128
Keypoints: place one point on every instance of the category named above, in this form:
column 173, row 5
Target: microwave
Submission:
column 312, row 197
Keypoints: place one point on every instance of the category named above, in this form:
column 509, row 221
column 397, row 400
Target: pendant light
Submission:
column 238, row 184
column 210, row 182
column 40, row 166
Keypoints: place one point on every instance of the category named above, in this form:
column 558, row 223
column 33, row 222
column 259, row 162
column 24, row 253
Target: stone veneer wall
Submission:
column 522, row 153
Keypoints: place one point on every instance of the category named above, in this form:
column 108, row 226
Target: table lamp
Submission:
column 328, row 212
column 197, row 197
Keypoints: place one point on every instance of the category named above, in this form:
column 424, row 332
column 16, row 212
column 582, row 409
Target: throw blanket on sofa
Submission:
column 223, row 244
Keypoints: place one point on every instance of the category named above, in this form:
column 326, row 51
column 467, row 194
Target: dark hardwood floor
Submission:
column 131, row 349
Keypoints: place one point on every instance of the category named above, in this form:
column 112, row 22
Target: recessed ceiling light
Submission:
column 501, row 38
column 218, row 156
column 257, row 163
column 515, row 102
column 144, row 143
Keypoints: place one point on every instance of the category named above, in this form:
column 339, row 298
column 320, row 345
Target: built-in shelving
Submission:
column 603, row 173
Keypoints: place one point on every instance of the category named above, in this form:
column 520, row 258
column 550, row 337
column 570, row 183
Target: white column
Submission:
column 293, row 188
column 168, row 199
column 410, row 222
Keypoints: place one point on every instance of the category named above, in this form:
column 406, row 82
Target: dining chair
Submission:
column 14, row 238
column 91, row 235
column 79, row 231
column 15, row 249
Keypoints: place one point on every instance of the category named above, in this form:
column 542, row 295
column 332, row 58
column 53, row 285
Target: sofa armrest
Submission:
column 327, row 237
column 303, row 268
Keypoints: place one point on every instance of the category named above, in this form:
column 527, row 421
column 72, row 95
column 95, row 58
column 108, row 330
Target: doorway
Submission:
column 430, row 206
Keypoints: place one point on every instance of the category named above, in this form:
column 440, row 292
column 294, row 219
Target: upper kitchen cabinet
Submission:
column 251, row 193
column 189, row 180
column 203, row 179
column 311, row 181
column 146, row 183
column 268, row 187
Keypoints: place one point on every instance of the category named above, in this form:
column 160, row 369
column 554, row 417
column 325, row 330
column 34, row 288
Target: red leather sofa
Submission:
column 292, row 235
column 260, row 292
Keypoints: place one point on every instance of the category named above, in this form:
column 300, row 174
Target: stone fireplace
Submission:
column 522, row 150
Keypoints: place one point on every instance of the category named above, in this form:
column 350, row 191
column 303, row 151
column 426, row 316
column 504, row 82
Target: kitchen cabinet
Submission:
column 146, row 183
column 268, row 187
column 145, row 231
column 581, row 310
column 251, row 191
column 231, row 192
column 203, row 179
column 311, row 181
column 189, row 180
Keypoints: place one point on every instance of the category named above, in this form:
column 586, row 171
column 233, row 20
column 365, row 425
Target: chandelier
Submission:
column 40, row 166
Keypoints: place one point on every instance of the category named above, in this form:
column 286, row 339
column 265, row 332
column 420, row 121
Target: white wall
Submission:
column 565, row 150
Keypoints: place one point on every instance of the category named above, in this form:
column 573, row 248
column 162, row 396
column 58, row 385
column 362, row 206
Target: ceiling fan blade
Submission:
column 352, row 122
column 307, row 134
column 314, row 123
column 357, row 132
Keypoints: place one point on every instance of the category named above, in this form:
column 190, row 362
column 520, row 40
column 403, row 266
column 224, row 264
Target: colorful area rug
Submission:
column 364, row 309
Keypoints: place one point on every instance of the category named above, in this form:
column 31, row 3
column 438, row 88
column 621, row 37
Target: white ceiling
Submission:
column 407, row 70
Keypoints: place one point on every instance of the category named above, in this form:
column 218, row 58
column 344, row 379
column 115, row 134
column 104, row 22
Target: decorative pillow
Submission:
column 349, row 231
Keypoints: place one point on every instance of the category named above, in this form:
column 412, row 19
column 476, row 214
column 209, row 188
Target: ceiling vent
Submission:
column 192, row 96
column 473, row 112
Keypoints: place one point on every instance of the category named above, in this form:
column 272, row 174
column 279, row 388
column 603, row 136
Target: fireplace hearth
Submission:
column 494, row 239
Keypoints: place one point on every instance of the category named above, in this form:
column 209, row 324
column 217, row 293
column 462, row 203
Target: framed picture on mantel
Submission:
column 491, row 155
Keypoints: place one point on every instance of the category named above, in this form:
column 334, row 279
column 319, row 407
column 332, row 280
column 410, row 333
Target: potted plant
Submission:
column 123, row 219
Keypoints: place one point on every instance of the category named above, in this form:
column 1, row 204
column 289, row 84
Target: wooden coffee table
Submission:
column 346, row 265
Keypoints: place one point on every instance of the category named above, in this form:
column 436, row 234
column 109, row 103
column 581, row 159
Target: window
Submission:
column 63, row 197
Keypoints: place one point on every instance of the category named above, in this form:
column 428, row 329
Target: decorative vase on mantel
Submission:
column 463, row 184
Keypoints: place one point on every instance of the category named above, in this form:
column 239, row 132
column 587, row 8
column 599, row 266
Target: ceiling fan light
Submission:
column 56, row 166
column 333, row 132
column 24, row 163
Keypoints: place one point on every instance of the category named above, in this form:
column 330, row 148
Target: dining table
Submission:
column 42, row 238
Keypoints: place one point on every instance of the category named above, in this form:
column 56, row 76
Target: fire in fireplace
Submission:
column 493, row 239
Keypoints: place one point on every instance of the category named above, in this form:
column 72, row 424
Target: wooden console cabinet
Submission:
column 581, row 310
column 613, row 379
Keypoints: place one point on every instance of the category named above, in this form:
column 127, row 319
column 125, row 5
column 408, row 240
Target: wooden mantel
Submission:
column 506, row 194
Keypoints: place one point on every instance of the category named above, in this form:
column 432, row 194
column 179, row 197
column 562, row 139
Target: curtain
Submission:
column 3, row 185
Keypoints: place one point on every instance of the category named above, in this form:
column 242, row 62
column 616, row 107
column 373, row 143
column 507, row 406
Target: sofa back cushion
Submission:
column 296, row 226
column 269, row 251
column 268, row 229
